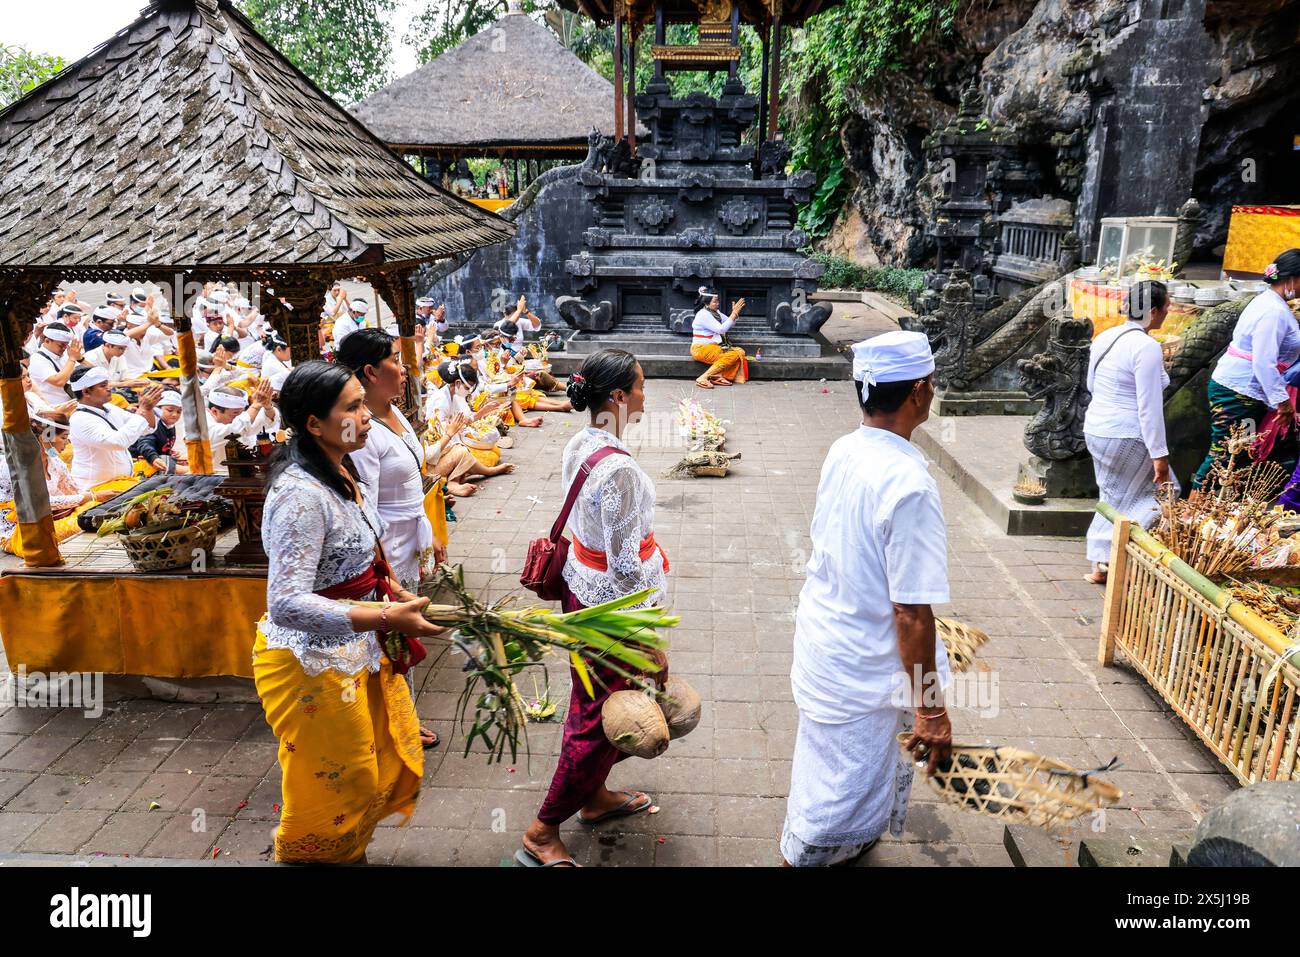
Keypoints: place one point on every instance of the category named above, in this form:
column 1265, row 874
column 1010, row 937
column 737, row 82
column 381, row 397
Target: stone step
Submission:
column 658, row 366
column 771, row 346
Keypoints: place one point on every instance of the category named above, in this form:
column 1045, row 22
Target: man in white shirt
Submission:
column 53, row 362
column 865, row 648
column 101, row 433
column 111, row 357
column 352, row 319
column 233, row 415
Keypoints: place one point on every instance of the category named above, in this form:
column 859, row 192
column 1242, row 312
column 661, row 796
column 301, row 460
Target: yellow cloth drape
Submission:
column 488, row 457
column 350, row 754
column 728, row 363
column 435, row 509
column 42, row 548
column 1256, row 234
column 161, row 626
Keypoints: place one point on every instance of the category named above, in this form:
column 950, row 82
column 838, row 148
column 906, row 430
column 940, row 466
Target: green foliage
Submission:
column 21, row 71
column 443, row 24
column 847, row 46
column 843, row 273
column 342, row 45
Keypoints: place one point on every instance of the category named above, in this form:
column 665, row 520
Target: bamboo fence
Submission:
column 1227, row 672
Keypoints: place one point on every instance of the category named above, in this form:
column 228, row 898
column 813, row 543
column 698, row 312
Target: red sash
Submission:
column 599, row 561
column 375, row 578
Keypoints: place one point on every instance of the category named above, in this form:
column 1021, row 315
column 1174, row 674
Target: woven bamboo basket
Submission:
column 961, row 640
column 1233, row 677
column 170, row 548
column 1018, row 785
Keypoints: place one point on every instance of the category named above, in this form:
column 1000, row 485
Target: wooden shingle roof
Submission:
column 188, row 140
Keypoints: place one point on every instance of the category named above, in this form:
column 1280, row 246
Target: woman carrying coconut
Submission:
column 726, row 365
column 349, row 740
column 613, row 554
column 392, row 467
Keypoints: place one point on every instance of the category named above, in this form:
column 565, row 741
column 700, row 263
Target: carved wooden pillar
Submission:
column 618, row 72
column 774, row 108
column 21, row 298
column 194, row 415
column 292, row 301
column 396, row 289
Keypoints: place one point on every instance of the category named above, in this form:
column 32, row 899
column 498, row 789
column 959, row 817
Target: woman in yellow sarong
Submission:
column 727, row 366
column 466, row 440
column 350, row 749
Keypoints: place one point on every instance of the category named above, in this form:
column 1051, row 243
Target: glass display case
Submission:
column 1128, row 242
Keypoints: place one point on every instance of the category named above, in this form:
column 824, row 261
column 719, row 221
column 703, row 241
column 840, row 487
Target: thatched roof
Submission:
column 188, row 140
column 511, row 84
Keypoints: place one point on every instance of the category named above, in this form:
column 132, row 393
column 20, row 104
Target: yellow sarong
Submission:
column 728, row 363
column 350, row 754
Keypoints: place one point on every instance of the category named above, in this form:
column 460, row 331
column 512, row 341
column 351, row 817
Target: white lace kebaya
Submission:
column 615, row 510
column 315, row 539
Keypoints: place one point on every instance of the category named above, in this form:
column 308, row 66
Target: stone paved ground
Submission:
column 69, row 785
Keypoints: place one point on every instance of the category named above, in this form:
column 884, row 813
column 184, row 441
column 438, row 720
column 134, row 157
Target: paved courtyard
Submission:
column 74, row 786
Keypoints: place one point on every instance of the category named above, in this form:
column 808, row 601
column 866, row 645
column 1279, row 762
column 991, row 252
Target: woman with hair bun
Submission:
column 1247, row 384
column 613, row 553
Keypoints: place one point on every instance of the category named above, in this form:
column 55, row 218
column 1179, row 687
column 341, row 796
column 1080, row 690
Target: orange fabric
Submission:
column 38, row 546
column 728, row 363
column 598, row 560
column 1256, row 234
column 165, row 626
column 198, row 452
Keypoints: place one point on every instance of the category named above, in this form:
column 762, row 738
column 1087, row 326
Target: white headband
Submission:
column 891, row 357
column 114, row 338
column 92, row 378
column 225, row 400
column 103, row 312
column 170, row 398
column 57, row 335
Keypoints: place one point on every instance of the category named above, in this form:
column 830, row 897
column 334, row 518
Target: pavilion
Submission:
column 185, row 149
column 512, row 91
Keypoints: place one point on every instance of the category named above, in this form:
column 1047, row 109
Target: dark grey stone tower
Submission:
column 696, row 207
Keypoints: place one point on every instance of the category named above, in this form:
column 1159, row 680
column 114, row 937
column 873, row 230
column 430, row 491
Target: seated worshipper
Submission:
column 504, row 365
column 67, row 498
column 234, row 415
column 453, row 426
column 149, row 337
column 223, row 370
column 352, row 319
column 36, row 405
column 111, row 357
column 276, row 357
column 495, row 382
column 101, row 433
column 52, row 364
column 102, row 321
column 159, row 448
column 726, row 365
column 211, row 326
column 864, row 629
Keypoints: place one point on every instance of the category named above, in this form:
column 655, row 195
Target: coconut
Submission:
column 681, row 707
column 634, row 724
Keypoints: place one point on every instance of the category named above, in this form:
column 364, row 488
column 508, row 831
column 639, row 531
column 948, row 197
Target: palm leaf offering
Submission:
column 701, row 463
column 961, row 640
column 1228, row 525
column 703, row 430
column 1018, row 785
column 502, row 640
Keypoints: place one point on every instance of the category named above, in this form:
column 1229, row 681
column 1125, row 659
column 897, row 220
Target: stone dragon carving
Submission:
column 1059, row 378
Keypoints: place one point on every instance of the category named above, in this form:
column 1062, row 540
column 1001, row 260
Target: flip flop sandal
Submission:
column 526, row 858
column 432, row 744
column 623, row 810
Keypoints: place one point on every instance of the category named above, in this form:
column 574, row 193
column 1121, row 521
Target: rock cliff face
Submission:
column 1042, row 65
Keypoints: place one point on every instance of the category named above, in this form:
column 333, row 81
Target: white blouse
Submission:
column 1267, row 332
column 314, row 539
column 1127, row 379
column 391, row 467
column 615, row 510
column 709, row 326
